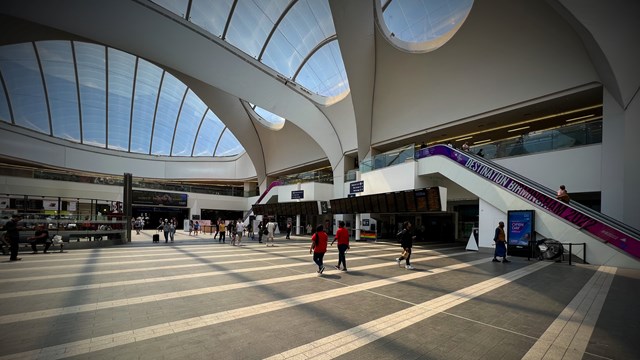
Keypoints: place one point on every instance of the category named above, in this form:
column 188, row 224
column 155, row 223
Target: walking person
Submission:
column 166, row 228
column 196, row 228
column 406, row 241
column 261, row 229
column 13, row 236
column 319, row 247
column 232, row 232
column 172, row 230
column 288, row 230
column 342, row 236
column 501, row 244
column 222, row 231
column 217, row 223
column 239, row 231
column 271, row 229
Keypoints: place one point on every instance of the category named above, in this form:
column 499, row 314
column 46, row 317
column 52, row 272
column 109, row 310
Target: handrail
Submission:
column 600, row 226
column 271, row 186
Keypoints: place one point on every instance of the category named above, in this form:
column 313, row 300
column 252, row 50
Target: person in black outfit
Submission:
column 260, row 231
column 406, row 241
column 288, row 230
column 40, row 237
column 11, row 228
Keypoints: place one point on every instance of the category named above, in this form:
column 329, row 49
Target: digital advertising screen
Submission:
column 382, row 203
column 421, row 200
column 391, row 202
column 520, row 227
column 410, row 200
column 400, row 205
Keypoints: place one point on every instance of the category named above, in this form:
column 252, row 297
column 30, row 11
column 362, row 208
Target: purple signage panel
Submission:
column 593, row 226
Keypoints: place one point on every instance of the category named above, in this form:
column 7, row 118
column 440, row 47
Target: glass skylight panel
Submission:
column 5, row 114
column 144, row 105
column 208, row 135
column 252, row 22
column 419, row 21
column 190, row 116
column 165, row 107
column 56, row 59
column 307, row 24
column 211, row 15
column 24, row 84
column 121, row 72
column 178, row 7
column 171, row 95
column 90, row 60
column 268, row 115
column 228, row 145
column 324, row 73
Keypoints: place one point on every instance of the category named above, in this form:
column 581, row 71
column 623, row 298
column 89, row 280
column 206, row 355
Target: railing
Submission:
column 541, row 141
column 389, row 158
column 320, row 176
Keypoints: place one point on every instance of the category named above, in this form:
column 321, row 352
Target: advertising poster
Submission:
column 520, row 227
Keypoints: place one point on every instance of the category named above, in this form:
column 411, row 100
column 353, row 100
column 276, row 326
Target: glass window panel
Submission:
column 175, row 6
column 424, row 20
column 171, row 95
column 188, row 123
column 5, row 114
column 24, row 85
column 208, row 135
column 324, row 73
column 211, row 15
column 228, row 145
column 58, row 66
column 144, row 104
column 90, row 59
column 252, row 22
column 120, row 77
column 306, row 25
column 268, row 115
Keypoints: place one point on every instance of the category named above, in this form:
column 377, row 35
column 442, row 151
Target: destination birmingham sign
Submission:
column 593, row 226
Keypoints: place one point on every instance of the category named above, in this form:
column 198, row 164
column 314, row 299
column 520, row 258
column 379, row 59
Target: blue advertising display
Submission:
column 520, row 227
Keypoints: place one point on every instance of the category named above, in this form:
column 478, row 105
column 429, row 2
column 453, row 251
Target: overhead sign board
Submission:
column 356, row 186
column 297, row 194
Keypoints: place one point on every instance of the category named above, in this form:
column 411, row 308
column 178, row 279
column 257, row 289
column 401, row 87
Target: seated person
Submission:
column 41, row 237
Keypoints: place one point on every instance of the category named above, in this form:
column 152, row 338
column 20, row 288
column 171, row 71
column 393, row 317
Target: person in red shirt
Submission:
column 319, row 247
column 342, row 236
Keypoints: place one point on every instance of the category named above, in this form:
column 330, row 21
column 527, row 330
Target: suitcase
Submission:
column 156, row 238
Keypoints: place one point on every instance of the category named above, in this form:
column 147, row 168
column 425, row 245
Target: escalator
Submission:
column 606, row 238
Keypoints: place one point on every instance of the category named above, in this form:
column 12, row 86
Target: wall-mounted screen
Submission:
column 391, row 202
column 410, row 201
column 400, row 205
column 375, row 207
column 367, row 204
column 382, row 203
column 421, row 200
column 433, row 199
column 349, row 205
column 361, row 207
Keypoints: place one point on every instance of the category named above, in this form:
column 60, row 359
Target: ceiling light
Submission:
column 481, row 141
column 579, row 118
column 517, row 129
column 464, row 138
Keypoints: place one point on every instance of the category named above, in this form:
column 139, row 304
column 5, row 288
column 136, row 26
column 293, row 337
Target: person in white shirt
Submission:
column 271, row 228
column 239, row 231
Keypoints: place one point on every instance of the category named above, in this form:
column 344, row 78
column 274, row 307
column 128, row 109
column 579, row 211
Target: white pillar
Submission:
column 298, row 224
column 357, row 225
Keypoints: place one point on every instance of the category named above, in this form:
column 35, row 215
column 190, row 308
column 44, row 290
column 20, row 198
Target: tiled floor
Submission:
column 198, row 299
